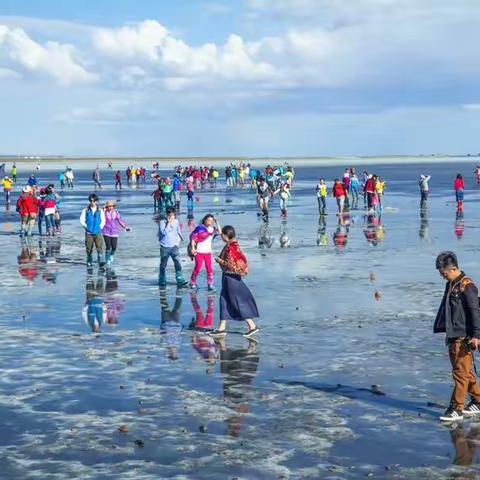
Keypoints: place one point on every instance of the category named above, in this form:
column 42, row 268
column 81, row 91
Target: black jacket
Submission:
column 459, row 312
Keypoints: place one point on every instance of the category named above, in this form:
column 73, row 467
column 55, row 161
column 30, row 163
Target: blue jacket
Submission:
column 93, row 222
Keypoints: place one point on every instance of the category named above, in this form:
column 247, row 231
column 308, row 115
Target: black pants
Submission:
column 110, row 243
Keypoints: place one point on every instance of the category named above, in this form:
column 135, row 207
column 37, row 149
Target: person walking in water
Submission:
column 459, row 318
column 96, row 178
column 92, row 220
column 201, row 249
column 284, row 193
column 322, row 196
column 7, row 184
column 27, row 207
column 111, row 229
column 339, row 192
column 424, row 188
column 170, row 237
column 118, row 180
column 459, row 187
column 236, row 300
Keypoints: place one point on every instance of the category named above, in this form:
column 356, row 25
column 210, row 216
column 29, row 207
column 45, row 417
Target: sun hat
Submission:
column 27, row 189
column 110, row 203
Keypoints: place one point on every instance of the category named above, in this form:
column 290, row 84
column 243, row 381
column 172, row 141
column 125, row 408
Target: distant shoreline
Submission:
column 121, row 162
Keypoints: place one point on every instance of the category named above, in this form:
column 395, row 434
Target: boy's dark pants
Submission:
column 464, row 379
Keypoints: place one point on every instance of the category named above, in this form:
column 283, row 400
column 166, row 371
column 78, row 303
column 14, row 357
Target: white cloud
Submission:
column 53, row 59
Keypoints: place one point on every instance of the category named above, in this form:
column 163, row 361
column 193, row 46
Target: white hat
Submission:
column 27, row 189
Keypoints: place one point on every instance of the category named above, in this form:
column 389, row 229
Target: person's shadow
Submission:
column 238, row 367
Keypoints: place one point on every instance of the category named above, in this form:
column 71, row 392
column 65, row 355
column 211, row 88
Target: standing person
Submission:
column 379, row 191
column 7, row 184
column 14, row 172
column 339, row 193
column 354, row 188
column 41, row 211
column 170, row 237
column 424, row 188
column 69, row 177
column 190, row 196
column 365, row 177
column 27, row 207
column 477, row 174
column 459, row 187
column 167, row 192
column 50, row 204
column 92, row 220
column 177, row 187
column 61, row 179
column 96, row 178
column 201, row 249
column 370, row 191
column 322, row 196
column 459, row 318
column 157, row 200
column 118, row 180
column 236, row 300
column 111, row 229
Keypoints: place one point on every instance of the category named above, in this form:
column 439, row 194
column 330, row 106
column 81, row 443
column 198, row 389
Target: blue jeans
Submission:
column 50, row 221
column 165, row 254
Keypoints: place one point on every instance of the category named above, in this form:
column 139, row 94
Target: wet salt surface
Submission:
column 339, row 384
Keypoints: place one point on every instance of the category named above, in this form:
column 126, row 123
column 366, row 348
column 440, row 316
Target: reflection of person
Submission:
column 202, row 322
column 170, row 325
column 94, row 312
column 113, row 302
column 459, row 318
column 459, row 224
column 322, row 237
column 236, row 300
column 238, row 367
column 27, row 262
column 423, row 233
column 340, row 235
column 265, row 240
column 465, row 444
column 284, row 238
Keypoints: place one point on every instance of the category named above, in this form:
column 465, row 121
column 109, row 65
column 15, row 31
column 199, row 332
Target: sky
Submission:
column 239, row 77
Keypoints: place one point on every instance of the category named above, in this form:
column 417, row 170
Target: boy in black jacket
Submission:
column 459, row 317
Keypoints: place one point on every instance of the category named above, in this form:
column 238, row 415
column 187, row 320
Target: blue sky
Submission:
column 239, row 77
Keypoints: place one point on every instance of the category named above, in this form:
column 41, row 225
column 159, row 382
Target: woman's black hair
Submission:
column 228, row 231
column 208, row 215
column 446, row 260
column 93, row 197
column 459, row 175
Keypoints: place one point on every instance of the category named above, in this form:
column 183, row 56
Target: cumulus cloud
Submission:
column 149, row 45
column 53, row 59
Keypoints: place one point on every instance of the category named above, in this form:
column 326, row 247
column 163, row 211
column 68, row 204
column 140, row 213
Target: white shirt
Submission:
column 206, row 245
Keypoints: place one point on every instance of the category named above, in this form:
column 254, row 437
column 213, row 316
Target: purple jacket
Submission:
column 113, row 222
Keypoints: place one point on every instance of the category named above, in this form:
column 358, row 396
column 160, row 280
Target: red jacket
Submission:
column 27, row 204
column 339, row 190
column 233, row 259
column 370, row 185
column 458, row 184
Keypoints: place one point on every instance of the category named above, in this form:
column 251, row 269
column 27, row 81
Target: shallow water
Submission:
column 344, row 379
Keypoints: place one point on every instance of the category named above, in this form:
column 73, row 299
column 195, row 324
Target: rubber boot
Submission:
column 89, row 261
column 101, row 260
column 29, row 229
column 180, row 281
column 112, row 257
